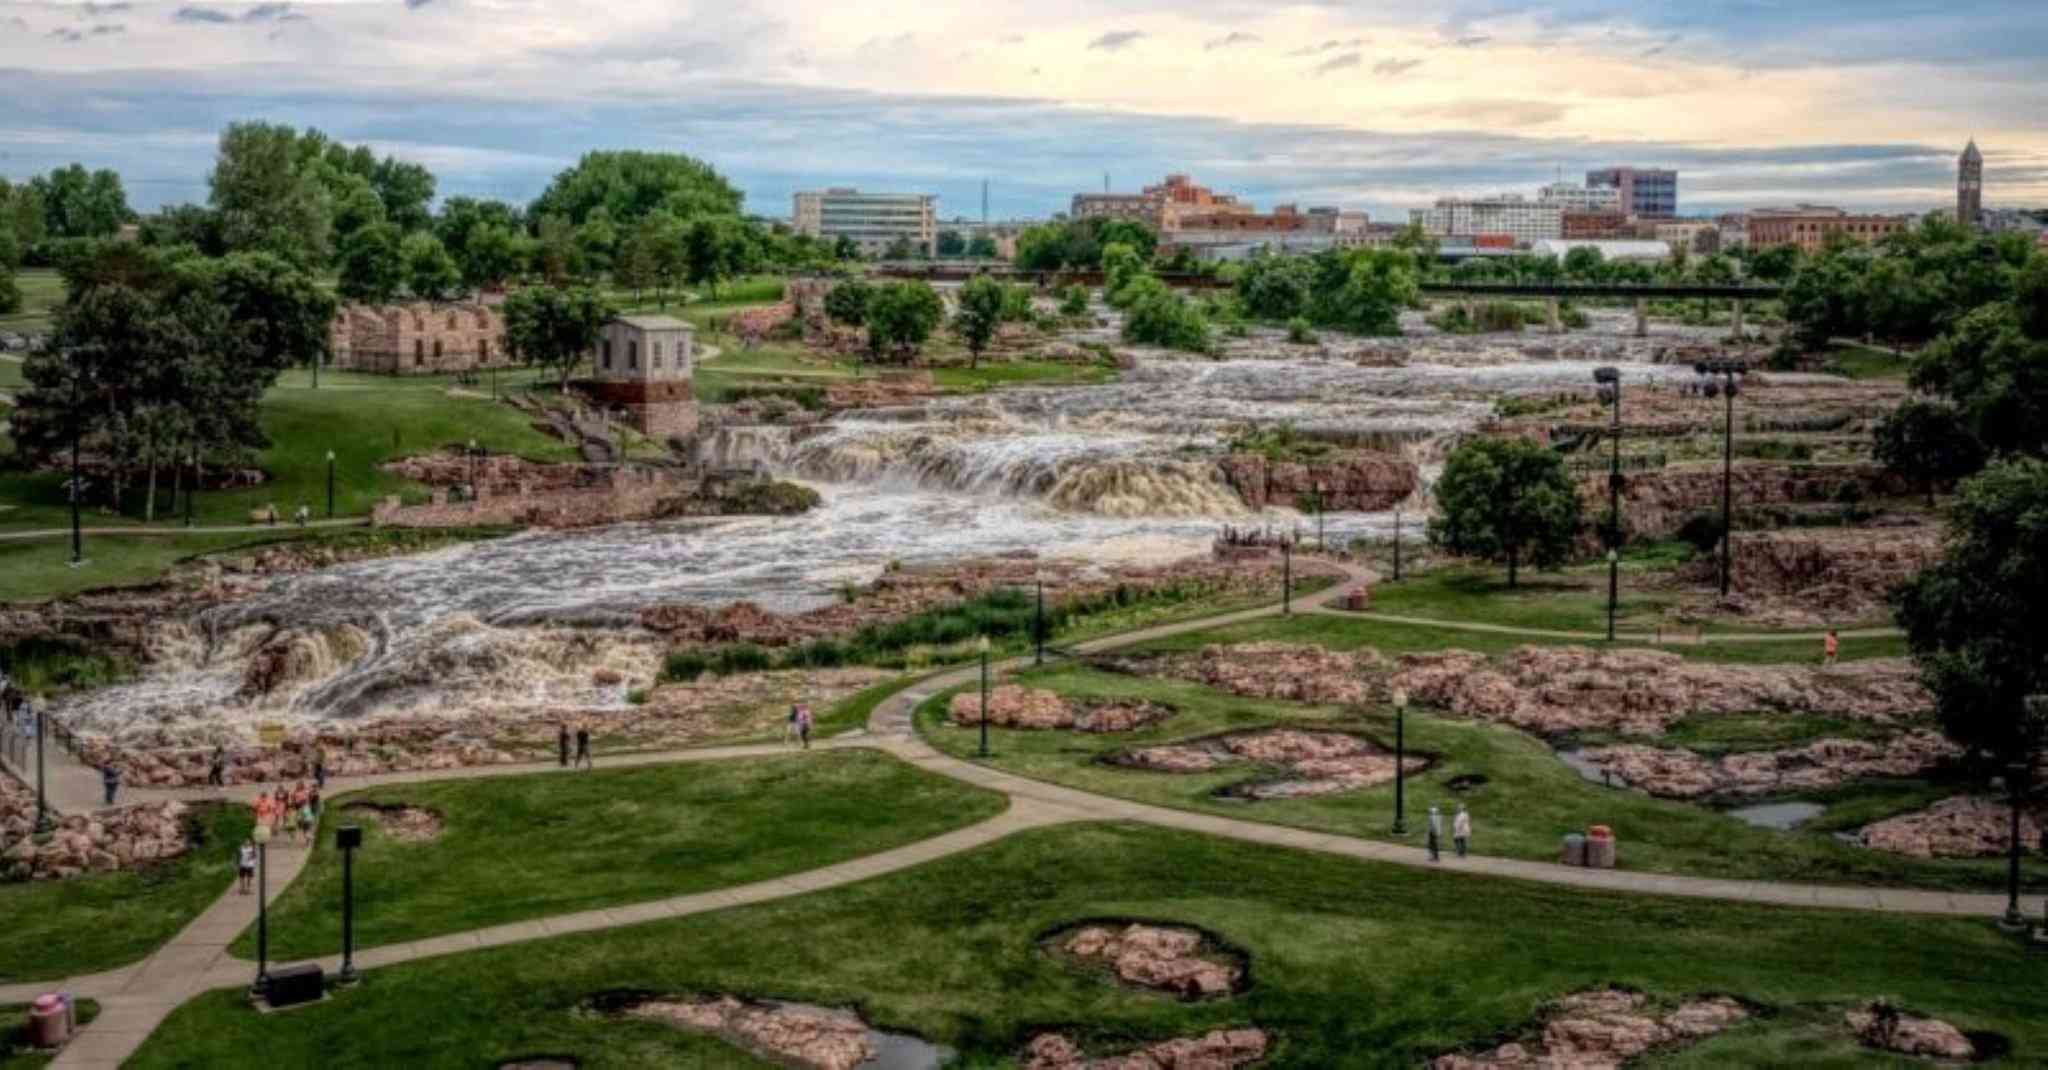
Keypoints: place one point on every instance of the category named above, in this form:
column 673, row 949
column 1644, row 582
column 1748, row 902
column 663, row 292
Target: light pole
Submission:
column 261, row 988
column 2016, row 777
column 192, row 495
column 348, row 838
column 1322, row 544
column 1286, row 577
column 44, row 825
column 1400, row 762
column 1730, row 373
column 982, row 646
column 1613, row 588
column 1397, row 545
column 77, row 490
column 472, row 469
column 1038, row 621
column 330, row 484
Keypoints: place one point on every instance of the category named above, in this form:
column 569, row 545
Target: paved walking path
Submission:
column 1671, row 638
column 282, row 525
column 135, row 999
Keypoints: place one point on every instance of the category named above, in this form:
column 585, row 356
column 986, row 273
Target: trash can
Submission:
column 1574, row 849
column 1600, row 847
column 49, row 1022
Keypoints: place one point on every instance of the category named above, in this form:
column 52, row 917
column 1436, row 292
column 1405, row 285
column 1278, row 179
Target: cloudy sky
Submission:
column 1373, row 105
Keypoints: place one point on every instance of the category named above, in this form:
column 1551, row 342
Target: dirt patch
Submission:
column 1166, row 958
column 1309, row 762
column 1825, row 763
column 1602, row 1030
column 1219, row 1049
column 1962, row 826
column 794, row 1034
column 401, row 821
column 1880, row 1025
column 1466, row 782
column 1011, row 706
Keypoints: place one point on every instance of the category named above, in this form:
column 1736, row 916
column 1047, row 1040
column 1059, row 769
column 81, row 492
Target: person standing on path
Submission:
column 110, row 778
column 562, row 742
column 789, row 728
column 245, row 864
column 1830, row 647
column 319, row 768
column 217, row 767
column 803, row 724
column 1461, row 830
column 583, row 745
column 1436, row 834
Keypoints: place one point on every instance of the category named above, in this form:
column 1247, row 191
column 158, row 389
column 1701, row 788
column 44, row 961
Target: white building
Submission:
column 642, row 368
column 1639, row 252
column 874, row 221
column 1576, row 198
column 1508, row 214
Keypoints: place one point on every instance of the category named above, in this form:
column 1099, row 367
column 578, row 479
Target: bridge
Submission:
column 938, row 271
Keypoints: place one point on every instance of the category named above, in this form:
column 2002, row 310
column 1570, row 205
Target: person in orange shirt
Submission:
column 262, row 808
column 1830, row 647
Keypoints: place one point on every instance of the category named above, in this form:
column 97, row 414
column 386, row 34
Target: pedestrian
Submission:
column 280, row 802
column 303, row 514
column 583, row 745
column 245, row 864
column 306, row 815
column 1436, row 834
column 804, row 724
column 1830, row 647
column 562, row 742
column 217, row 767
column 1461, row 830
column 313, row 801
column 789, row 726
column 110, row 778
column 319, row 768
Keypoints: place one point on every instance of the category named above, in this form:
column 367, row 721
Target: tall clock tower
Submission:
column 1969, row 185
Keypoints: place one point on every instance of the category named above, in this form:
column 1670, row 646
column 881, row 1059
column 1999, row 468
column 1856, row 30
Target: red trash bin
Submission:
column 49, row 1022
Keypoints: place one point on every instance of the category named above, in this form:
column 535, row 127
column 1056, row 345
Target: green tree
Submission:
column 1275, row 287
column 81, row 204
column 21, row 213
column 1120, row 265
column 1507, row 500
column 1160, row 317
column 1775, row 264
column 1996, row 372
column 554, row 250
column 406, row 190
column 1362, row 291
column 491, row 255
column 1973, row 619
column 901, row 315
column 281, row 315
column 952, row 243
column 269, row 198
column 631, row 185
column 430, row 273
column 597, row 242
column 10, row 291
column 1585, row 262
column 1074, row 301
column 185, row 224
column 1927, row 441
column 1141, row 238
column 981, row 247
column 554, row 327
column 716, row 248
column 371, row 269
column 902, row 249
column 980, row 313
column 845, row 248
column 1042, row 248
column 847, row 303
column 460, row 217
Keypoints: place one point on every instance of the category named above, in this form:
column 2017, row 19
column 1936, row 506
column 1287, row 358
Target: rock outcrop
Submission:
column 1311, row 763
column 814, row 1038
column 129, row 837
column 1219, row 1049
column 1167, row 958
column 1602, row 1030
column 1657, row 504
column 1884, row 1027
column 1296, row 672
column 1011, row 706
column 1962, row 826
column 1825, row 763
column 1351, row 480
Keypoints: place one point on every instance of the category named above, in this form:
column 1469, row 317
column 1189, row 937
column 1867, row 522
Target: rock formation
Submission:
column 814, row 1038
column 1882, row 1026
column 1315, row 763
column 1962, row 826
column 1012, row 706
column 1219, row 1049
column 1825, row 763
column 1351, row 480
column 1296, row 672
column 129, row 837
column 1657, row 504
column 1168, row 958
column 1602, row 1030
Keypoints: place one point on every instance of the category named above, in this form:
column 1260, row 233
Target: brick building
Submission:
column 419, row 338
column 642, row 367
column 1810, row 226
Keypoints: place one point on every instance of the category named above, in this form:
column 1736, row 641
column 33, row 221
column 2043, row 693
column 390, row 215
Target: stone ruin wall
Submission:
column 417, row 339
column 627, row 495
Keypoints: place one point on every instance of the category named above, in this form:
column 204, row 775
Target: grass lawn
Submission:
column 1866, row 362
column 1022, row 373
column 91, row 923
column 15, row 1053
column 1351, row 631
column 42, row 289
column 1352, row 964
column 514, row 848
column 1529, row 801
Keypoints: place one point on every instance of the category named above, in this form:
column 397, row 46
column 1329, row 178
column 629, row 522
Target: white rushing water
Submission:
column 1117, row 472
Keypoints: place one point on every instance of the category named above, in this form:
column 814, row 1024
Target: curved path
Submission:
column 282, row 526
column 135, row 999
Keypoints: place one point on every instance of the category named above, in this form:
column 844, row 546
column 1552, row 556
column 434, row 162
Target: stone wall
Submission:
column 626, row 494
column 1656, row 504
column 1351, row 481
column 420, row 338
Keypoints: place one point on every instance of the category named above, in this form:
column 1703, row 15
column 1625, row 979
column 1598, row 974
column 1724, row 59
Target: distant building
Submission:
column 2011, row 220
column 419, row 338
column 874, row 221
column 642, row 366
column 1970, row 185
column 1636, row 252
column 1701, row 237
column 1581, row 198
column 1595, row 225
column 1508, row 215
column 1645, row 192
column 1811, row 226
column 1163, row 207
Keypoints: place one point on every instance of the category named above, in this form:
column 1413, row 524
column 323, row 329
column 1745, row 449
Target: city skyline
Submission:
column 1361, row 107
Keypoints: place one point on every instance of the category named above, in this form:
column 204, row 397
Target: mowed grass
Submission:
column 42, row 290
column 1867, row 362
column 1529, row 801
column 514, row 848
column 15, row 1051
column 100, row 921
column 1352, row 965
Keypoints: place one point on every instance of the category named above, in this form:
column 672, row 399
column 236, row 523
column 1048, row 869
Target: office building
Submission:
column 1644, row 192
column 1581, row 198
column 1509, row 216
column 1811, row 226
column 874, row 221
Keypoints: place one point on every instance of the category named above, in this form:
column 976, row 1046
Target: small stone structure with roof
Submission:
column 642, row 367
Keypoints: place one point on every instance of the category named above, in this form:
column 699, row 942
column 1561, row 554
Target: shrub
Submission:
column 1074, row 301
column 683, row 666
column 1702, row 531
column 1298, row 332
column 1166, row 319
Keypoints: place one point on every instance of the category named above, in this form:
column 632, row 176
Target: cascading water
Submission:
column 1122, row 471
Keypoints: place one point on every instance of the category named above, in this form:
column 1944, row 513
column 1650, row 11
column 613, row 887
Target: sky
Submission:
column 1379, row 106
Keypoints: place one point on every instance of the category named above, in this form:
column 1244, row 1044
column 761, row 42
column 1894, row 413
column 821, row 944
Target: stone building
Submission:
column 1970, row 185
column 1811, row 227
column 419, row 338
column 642, row 367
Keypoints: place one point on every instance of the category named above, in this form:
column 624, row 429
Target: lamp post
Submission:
column 1322, row 544
column 1613, row 588
column 472, row 469
column 192, row 495
column 1721, row 376
column 44, row 824
column 1397, row 545
column 77, row 490
column 1286, row 577
column 2016, row 776
column 261, row 988
column 1400, row 762
column 348, row 838
column 330, row 484
column 1038, row 621
column 981, row 645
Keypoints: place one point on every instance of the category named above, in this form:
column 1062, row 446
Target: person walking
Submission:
column 1831, row 647
column 789, row 727
column 245, row 864
column 110, row 779
column 217, row 767
column 804, row 724
column 1436, row 834
column 1461, row 830
column 583, row 745
column 562, row 742
column 280, row 803
column 319, row 768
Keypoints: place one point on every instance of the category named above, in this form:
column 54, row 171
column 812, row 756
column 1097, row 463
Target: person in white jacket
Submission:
column 1461, row 830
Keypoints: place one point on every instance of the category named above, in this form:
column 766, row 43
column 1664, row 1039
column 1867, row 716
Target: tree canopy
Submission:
column 981, row 304
column 1994, row 365
column 901, row 315
column 1927, row 441
column 629, row 185
column 553, row 326
column 1507, row 500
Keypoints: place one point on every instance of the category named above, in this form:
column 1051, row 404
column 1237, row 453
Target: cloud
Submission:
column 1392, row 68
column 1347, row 60
column 108, row 29
column 67, row 35
column 93, row 10
column 1117, row 40
column 1471, row 40
column 1231, row 39
column 415, row 5
column 267, row 13
column 17, row 22
column 1494, row 112
column 1331, row 45
column 200, row 15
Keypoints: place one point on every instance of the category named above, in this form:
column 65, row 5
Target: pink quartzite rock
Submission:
column 1961, row 826
column 1825, row 763
column 1604, row 1029
column 1910, row 1035
column 814, row 1038
column 130, row 837
column 1151, row 956
column 1011, row 706
column 1219, row 1049
column 1320, row 763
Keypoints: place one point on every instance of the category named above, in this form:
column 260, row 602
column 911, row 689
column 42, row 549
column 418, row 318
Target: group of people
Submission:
column 293, row 812
column 582, row 759
column 800, row 725
column 1461, row 832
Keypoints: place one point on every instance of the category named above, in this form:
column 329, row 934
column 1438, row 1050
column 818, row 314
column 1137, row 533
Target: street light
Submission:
column 1613, row 588
column 44, row 823
column 77, row 488
column 1397, row 545
column 1729, row 373
column 192, row 495
column 348, row 838
column 2016, row 783
column 1038, row 620
column 1400, row 762
column 1322, row 544
column 472, row 469
column 261, row 988
column 982, row 646
column 330, row 484
column 1286, row 577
